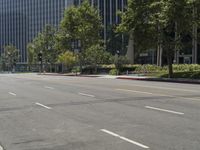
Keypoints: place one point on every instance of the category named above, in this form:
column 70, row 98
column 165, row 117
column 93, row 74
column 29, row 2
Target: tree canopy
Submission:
column 44, row 43
column 10, row 56
column 164, row 22
column 81, row 23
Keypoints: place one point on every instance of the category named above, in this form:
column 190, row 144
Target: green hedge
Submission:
column 176, row 68
column 190, row 75
column 143, row 68
column 149, row 68
column 113, row 72
column 186, row 67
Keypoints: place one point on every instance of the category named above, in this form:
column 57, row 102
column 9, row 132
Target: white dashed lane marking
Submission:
column 39, row 104
column 84, row 94
column 48, row 87
column 11, row 93
column 125, row 139
column 165, row 110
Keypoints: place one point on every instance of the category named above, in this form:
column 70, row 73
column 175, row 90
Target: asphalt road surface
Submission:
column 80, row 113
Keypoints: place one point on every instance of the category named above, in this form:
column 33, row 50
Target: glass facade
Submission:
column 108, row 10
column 22, row 20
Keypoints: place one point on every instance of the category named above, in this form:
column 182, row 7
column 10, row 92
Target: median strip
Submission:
column 39, row 104
column 125, row 139
column 165, row 110
column 84, row 94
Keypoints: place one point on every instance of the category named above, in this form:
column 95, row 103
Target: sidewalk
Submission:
column 132, row 77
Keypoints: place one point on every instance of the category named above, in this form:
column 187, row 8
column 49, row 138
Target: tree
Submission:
column 171, row 18
column 11, row 56
column 161, row 22
column 135, row 23
column 3, row 63
column 194, row 7
column 96, row 55
column 31, row 54
column 81, row 24
column 44, row 43
column 68, row 59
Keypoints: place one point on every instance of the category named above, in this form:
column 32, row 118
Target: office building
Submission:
column 109, row 12
column 22, row 20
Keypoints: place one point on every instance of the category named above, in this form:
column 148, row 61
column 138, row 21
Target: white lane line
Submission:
column 134, row 91
column 84, row 94
column 39, row 104
column 165, row 110
column 11, row 93
column 124, row 138
column 48, row 87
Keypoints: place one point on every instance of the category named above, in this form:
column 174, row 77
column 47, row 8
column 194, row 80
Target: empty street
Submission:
column 41, row 112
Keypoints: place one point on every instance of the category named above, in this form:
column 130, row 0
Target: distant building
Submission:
column 22, row 20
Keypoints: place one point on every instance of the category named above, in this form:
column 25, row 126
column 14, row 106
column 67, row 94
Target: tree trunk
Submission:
column 131, row 51
column 95, row 71
column 176, row 52
column 194, row 38
column 159, row 54
column 170, row 67
column 81, row 68
column 81, row 65
column 159, row 48
column 95, row 67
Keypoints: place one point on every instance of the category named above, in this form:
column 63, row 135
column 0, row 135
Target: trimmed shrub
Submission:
column 113, row 72
column 148, row 68
column 186, row 67
column 190, row 75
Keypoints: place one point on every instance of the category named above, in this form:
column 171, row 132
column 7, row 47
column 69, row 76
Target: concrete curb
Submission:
column 177, row 80
column 187, row 81
column 70, row 75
